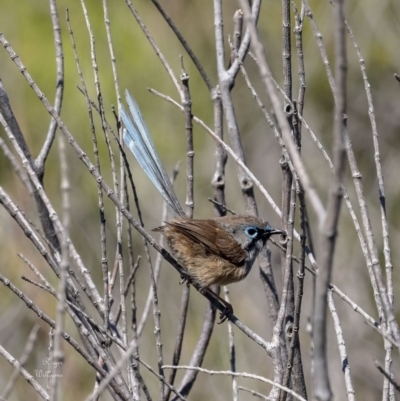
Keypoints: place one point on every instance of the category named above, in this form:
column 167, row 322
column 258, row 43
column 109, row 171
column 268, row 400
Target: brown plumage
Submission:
column 217, row 251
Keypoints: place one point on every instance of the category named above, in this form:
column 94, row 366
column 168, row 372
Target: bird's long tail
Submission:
column 137, row 138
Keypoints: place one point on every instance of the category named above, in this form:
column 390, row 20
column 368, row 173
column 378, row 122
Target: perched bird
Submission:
column 219, row 250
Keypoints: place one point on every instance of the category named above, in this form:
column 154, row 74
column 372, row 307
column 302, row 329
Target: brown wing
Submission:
column 213, row 237
column 230, row 249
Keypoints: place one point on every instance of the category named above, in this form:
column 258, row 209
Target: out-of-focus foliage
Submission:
column 27, row 26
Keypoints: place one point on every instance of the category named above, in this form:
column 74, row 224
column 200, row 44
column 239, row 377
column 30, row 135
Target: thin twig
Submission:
column 184, row 44
column 238, row 374
column 22, row 361
column 114, row 319
column 387, row 375
column 255, row 393
column 19, row 171
column 27, row 376
column 156, row 49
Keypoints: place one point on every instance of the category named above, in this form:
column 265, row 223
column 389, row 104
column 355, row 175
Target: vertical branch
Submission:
column 58, row 356
column 220, row 155
column 179, row 338
column 50, row 364
column 187, row 105
column 286, row 49
column 288, row 276
column 295, row 364
column 232, row 351
column 287, row 88
column 268, row 280
column 136, row 373
column 298, row 373
column 278, row 337
column 226, row 79
column 65, row 184
column 157, row 321
column 112, row 53
column 286, row 264
column 133, row 366
column 237, row 33
column 298, row 34
column 328, row 230
column 198, row 354
column 342, row 348
column 288, row 193
column 44, row 152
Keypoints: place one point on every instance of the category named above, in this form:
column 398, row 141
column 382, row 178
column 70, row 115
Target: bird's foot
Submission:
column 185, row 280
column 224, row 314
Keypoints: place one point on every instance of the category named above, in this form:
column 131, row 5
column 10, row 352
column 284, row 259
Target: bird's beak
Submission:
column 272, row 231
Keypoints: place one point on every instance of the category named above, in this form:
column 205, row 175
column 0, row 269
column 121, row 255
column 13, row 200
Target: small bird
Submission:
column 215, row 251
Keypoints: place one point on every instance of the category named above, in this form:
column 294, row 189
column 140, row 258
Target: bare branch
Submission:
column 342, row 349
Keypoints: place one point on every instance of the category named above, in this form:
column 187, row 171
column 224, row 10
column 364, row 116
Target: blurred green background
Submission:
column 27, row 26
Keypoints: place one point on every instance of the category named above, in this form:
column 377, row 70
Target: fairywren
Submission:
column 218, row 250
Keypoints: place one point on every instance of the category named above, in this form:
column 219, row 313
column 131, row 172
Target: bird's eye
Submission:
column 251, row 232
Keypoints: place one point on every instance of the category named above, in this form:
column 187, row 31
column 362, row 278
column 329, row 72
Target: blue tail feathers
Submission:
column 137, row 138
